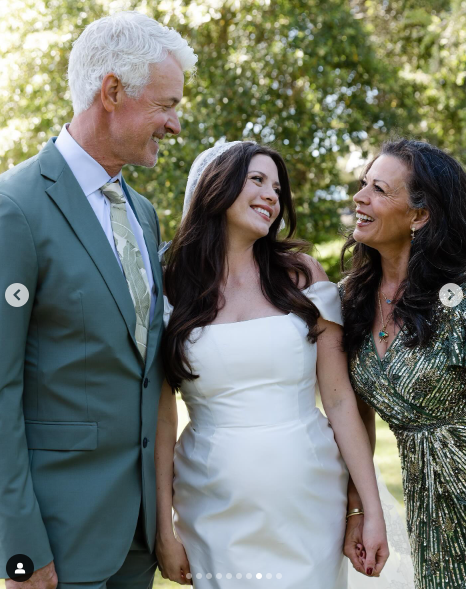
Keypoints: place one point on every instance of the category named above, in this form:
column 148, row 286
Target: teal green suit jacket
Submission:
column 78, row 406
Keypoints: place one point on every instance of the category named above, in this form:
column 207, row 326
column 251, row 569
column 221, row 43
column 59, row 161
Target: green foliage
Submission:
column 426, row 43
column 315, row 79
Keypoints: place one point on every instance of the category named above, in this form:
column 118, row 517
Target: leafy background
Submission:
column 324, row 82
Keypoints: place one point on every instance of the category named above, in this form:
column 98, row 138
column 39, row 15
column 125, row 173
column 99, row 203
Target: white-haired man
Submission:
column 80, row 368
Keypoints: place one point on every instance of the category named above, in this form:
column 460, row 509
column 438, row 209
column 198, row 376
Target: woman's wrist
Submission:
column 165, row 534
column 354, row 500
column 354, row 503
column 164, row 529
column 373, row 511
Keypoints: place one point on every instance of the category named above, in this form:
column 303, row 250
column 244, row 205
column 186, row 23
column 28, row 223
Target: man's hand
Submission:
column 44, row 578
column 353, row 547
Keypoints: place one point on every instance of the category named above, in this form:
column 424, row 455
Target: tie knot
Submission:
column 114, row 192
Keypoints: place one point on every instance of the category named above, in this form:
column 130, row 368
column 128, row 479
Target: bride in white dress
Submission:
column 258, row 483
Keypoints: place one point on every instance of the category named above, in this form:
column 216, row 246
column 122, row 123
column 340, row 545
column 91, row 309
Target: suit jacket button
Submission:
column 144, row 442
column 146, row 382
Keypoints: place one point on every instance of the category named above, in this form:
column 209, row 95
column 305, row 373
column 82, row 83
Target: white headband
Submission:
column 200, row 164
column 198, row 167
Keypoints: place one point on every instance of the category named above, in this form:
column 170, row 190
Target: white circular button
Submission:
column 17, row 295
column 451, row 294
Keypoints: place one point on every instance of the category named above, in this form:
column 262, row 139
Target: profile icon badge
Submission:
column 19, row 568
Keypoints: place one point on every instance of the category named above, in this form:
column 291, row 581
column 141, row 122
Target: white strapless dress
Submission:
column 259, row 483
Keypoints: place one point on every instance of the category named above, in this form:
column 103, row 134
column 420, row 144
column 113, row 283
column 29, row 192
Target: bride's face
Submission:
column 257, row 205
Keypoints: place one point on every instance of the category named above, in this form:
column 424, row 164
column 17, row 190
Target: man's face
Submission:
column 142, row 122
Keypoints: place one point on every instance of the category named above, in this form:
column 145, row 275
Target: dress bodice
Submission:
column 256, row 372
column 415, row 389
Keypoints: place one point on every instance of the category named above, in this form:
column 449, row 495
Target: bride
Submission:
column 259, row 476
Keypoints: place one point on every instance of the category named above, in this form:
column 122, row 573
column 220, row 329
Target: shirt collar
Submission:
column 89, row 173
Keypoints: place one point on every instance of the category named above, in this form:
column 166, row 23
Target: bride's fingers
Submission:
column 382, row 557
column 187, row 576
column 369, row 562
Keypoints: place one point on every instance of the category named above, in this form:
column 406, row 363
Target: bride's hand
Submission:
column 172, row 560
column 353, row 548
column 375, row 544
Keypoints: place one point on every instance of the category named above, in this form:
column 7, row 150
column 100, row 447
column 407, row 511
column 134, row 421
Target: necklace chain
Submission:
column 387, row 300
column 383, row 335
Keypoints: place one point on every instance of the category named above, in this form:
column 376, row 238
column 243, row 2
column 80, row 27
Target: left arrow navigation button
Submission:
column 17, row 295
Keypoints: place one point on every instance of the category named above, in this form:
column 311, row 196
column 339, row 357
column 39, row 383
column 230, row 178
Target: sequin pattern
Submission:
column 421, row 394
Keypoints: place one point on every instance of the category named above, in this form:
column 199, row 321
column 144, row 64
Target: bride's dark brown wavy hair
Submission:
column 197, row 258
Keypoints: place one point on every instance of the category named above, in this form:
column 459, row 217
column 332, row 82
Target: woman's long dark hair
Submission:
column 437, row 183
column 197, row 258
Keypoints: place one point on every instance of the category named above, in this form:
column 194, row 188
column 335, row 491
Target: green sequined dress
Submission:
column 421, row 394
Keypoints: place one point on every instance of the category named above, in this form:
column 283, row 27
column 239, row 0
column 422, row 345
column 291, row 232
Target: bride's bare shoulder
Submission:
column 317, row 272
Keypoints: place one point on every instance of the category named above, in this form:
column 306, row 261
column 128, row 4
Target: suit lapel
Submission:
column 70, row 199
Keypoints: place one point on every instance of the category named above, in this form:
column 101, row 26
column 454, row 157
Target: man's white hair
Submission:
column 124, row 44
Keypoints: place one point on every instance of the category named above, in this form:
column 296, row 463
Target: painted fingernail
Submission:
column 369, row 572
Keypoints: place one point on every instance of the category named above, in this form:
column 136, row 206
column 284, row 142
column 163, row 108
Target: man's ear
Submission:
column 420, row 218
column 111, row 92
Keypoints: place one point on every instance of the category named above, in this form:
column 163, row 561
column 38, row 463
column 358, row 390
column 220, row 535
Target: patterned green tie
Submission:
column 131, row 260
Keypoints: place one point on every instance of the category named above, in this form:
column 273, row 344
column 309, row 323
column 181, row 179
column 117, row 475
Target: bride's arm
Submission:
column 171, row 555
column 350, row 433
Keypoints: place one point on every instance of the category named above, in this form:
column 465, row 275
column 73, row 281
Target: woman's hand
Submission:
column 353, row 547
column 375, row 545
column 172, row 560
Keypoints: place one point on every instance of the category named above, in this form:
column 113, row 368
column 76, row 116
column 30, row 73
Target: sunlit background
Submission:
column 323, row 81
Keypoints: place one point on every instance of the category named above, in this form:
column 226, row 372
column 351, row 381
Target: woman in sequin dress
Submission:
column 407, row 348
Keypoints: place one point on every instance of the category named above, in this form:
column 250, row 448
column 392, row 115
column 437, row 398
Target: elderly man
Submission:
column 80, row 366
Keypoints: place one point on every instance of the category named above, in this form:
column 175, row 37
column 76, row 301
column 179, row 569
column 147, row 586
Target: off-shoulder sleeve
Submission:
column 325, row 297
column 167, row 311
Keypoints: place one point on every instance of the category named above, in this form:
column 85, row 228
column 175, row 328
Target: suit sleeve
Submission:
column 22, row 529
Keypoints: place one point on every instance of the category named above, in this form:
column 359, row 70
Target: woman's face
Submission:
column 384, row 198
column 257, row 205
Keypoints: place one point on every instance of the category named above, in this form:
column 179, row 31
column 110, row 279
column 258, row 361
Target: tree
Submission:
column 427, row 45
column 315, row 79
